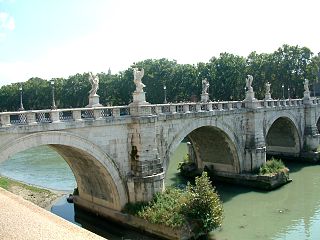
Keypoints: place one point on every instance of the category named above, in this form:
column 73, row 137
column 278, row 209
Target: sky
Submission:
column 59, row 38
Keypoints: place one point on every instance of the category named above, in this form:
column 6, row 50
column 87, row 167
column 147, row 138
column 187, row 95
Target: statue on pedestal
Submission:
column 94, row 80
column 267, row 94
column 249, row 81
column 268, row 88
column 93, row 96
column 205, row 86
column 306, row 93
column 137, row 76
column 306, row 86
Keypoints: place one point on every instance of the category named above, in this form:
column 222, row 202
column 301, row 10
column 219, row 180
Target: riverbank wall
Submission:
column 23, row 220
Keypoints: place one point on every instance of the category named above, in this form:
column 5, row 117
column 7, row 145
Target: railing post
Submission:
column 186, row 108
column 158, row 109
column 173, row 109
column 239, row 104
column 219, row 106
column 198, row 107
column 31, row 118
column 229, row 104
column 5, row 119
column 272, row 103
column 116, row 112
column 209, row 107
column 97, row 113
column 54, row 115
column 76, row 115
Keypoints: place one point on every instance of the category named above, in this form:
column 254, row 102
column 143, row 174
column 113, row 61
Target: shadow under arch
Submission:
column 213, row 146
column 97, row 176
column 283, row 138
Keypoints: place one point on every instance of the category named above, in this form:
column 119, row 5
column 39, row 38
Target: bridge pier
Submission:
column 255, row 147
column 147, row 176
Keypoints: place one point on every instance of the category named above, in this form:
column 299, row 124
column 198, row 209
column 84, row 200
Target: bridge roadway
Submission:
column 22, row 220
column 120, row 154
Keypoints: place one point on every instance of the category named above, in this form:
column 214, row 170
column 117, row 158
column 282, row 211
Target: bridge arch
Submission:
column 98, row 179
column 282, row 136
column 213, row 142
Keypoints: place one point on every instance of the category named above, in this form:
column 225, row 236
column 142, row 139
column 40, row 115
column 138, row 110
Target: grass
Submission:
column 7, row 183
column 272, row 167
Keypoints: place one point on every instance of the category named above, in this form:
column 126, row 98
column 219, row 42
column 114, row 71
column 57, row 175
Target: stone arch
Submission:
column 98, row 179
column 218, row 131
column 282, row 136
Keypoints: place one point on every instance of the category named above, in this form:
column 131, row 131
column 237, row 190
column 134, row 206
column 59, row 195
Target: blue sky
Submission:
column 58, row 38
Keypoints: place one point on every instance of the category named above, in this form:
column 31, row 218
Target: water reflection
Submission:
column 95, row 223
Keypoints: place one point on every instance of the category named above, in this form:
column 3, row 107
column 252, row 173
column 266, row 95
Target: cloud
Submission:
column 6, row 22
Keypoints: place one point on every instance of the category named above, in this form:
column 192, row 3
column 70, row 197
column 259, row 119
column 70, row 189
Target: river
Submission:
column 291, row 212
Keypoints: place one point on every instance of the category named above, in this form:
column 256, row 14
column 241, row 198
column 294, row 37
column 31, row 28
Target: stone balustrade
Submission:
column 80, row 114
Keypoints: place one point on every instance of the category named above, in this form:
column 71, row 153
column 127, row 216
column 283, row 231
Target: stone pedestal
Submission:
column 204, row 97
column 250, row 101
column 139, row 106
column 139, row 98
column 306, row 95
column 250, row 96
column 267, row 96
column 94, row 101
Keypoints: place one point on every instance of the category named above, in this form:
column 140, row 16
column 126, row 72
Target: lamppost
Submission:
column 53, row 101
column 165, row 93
column 282, row 91
column 21, row 102
column 288, row 92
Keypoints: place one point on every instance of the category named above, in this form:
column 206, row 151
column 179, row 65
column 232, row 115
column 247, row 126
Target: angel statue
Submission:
column 249, row 81
column 94, row 80
column 137, row 76
column 205, row 86
column 306, row 85
column 268, row 88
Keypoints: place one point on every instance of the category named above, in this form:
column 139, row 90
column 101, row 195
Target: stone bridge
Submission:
column 121, row 154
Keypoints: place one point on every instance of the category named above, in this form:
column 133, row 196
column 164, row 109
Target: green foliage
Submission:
column 203, row 207
column 288, row 65
column 197, row 207
column 272, row 167
column 4, row 182
column 165, row 208
column 186, row 160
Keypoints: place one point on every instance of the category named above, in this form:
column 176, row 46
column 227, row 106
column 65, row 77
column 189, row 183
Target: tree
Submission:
column 229, row 77
column 203, row 207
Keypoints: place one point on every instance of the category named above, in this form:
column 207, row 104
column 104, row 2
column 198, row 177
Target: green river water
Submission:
column 291, row 212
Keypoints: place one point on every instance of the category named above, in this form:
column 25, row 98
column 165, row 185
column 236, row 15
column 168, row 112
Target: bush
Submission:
column 197, row 207
column 203, row 208
column 272, row 167
column 163, row 209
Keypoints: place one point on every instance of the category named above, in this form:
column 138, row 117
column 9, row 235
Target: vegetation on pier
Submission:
column 197, row 208
column 272, row 167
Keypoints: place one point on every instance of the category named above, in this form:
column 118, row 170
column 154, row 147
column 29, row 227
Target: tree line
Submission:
column 287, row 66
